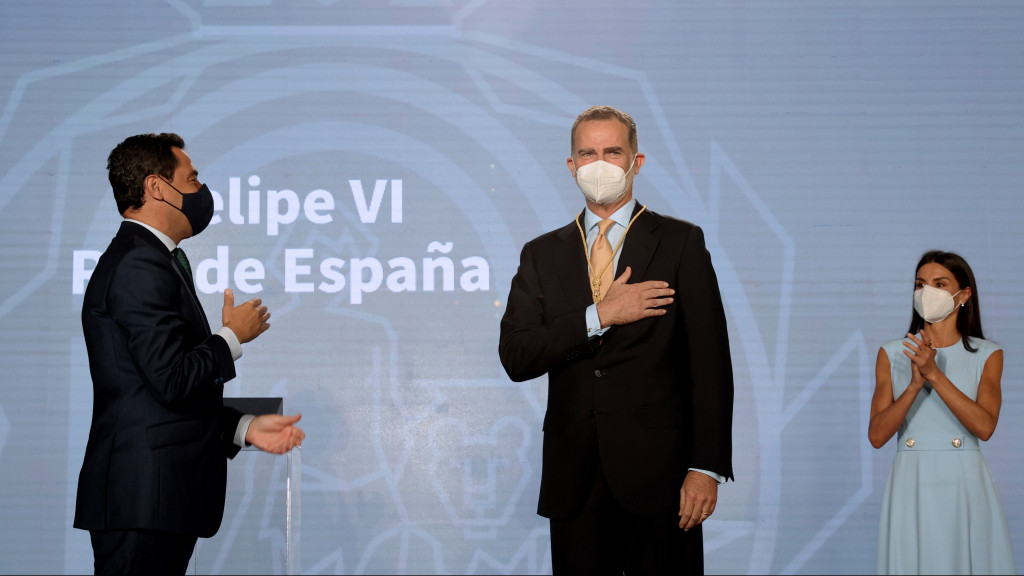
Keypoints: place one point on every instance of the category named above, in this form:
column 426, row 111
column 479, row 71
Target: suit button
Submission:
column 592, row 413
column 597, row 373
column 218, row 381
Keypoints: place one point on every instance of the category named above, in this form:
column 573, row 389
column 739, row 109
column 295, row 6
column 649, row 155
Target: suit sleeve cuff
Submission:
column 718, row 478
column 232, row 340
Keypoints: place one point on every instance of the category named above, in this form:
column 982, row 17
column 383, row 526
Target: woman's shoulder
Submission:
column 894, row 343
column 984, row 347
column 894, row 347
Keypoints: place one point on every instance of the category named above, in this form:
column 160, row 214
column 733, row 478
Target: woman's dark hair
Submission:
column 968, row 321
column 136, row 158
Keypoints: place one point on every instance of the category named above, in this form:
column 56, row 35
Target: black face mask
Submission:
column 197, row 207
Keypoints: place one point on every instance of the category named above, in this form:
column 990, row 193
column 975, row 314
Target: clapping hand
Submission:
column 275, row 433
column 247, row 320
column 921, row 353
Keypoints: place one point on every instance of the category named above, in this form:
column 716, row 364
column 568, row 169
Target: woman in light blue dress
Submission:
column 938, row 389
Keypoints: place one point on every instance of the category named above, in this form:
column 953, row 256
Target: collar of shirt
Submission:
column 621, row 217
column 163, row 237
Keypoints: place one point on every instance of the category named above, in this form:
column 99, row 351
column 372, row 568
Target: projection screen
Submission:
column 377, row 167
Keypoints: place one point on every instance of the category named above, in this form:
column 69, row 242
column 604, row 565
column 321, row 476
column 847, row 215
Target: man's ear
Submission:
column 152, row 186
column 638, row 161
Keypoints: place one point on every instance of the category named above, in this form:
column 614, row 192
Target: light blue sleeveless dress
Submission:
column 941, row 512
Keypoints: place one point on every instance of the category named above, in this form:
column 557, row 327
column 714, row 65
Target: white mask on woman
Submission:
column 934, row 304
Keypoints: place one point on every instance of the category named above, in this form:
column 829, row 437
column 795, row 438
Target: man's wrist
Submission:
column 716, row 477
column 242, row 430
column 233, row 343
column 594, row 328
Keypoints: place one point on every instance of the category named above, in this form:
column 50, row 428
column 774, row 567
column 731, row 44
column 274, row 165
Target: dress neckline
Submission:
column 958, row 341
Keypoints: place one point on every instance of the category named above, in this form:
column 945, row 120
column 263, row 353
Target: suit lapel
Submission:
column 572, row 272
column 639, row 246
column 182, row 273
column 190, row 287
column 192, row 309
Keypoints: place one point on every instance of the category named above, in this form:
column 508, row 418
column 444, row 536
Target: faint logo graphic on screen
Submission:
column 480, row 478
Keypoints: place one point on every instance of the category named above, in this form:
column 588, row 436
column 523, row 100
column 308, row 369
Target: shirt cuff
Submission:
column 594, row 322
column 232, row 340
column 719, row 479
column 243, row 429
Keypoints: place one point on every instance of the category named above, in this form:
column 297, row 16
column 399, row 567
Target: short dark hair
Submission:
column 968, row 321
column 604, row 113
column 136, row 158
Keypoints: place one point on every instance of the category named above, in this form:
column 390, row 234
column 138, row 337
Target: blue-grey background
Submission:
column 823, row 146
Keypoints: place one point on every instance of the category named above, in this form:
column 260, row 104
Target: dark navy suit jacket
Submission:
column 157, row 453
column 645, row 401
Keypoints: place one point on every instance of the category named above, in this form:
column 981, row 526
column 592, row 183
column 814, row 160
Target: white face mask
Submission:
column 603, row 183
column 934, row 304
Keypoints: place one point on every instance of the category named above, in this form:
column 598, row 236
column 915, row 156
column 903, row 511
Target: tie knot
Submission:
column 604, row 225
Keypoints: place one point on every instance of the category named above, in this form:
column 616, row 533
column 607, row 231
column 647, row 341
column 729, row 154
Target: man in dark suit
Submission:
column 155, row 468
column 638, row 429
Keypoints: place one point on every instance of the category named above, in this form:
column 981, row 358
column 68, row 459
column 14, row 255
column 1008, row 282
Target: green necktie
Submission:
column 179, row 255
